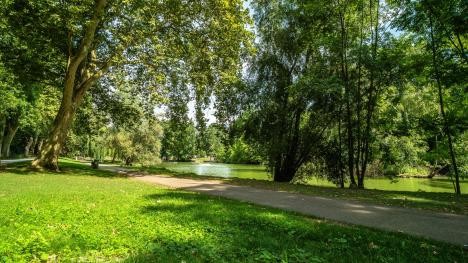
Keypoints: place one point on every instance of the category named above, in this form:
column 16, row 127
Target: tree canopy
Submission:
column 337, row 89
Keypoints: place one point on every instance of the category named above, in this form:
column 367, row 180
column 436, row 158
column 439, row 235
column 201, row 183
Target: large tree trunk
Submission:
column 80, row 76
column 287, row 163
column 11, row 128
column 48, row 156
column 283, row 173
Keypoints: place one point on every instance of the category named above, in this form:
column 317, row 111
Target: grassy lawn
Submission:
column 434, row 201
column 86, row 215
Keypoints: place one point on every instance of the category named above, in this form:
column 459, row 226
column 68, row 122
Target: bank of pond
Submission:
column 249, row 171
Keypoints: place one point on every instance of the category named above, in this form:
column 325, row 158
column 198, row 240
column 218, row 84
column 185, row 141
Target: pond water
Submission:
column 259, row 172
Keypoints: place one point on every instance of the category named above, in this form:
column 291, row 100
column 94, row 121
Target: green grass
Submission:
column 86, row 215
column 434, row 201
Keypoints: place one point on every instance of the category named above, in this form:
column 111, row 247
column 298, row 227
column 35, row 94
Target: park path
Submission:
column 446, row 227
column 7, row 161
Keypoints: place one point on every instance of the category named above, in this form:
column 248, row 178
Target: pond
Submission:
column 259, row 172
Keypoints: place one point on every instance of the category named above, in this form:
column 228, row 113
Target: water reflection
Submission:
column 259, row 172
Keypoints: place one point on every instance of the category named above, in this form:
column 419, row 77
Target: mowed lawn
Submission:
column 85, row 215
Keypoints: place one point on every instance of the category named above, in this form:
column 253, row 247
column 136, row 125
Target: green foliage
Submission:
column 179, row 141
column 105, row 44
column 93, row 217
column 40, row 111
column 141, row 144
column 216, row 138
column 9, row 90
column 401, row 153
column 180, row 135
column 294, row 95
column 461, row 147
column 241, row 152
column 337, row 87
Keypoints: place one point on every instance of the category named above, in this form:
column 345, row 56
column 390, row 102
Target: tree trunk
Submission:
column 28, row 146
column 340, row 147
column 48, row 156
column 359, row 96
column 79, row 77
column 39, row 146
column 442, row 108
column 12, row 126
column 34, row 144
column 283, row 173
column 2, row 131
column 345, row 79
column 114, row 155
column 372, row 100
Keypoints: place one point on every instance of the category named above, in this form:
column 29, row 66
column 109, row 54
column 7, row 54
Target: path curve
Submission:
column 446, row 227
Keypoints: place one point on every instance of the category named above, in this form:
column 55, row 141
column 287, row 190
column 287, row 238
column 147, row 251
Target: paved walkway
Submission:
column 7, row 161
column 439, row 226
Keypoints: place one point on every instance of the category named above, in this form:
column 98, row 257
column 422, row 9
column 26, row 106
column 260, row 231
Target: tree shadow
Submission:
column 439, row 183
column 222, row 230
column 66, row 168
column 229, row 230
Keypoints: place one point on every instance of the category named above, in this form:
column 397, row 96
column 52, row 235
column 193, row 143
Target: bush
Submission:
column 241, row 152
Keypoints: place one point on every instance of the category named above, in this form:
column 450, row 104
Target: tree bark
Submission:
column 358, row 95
column 48, row 156
column 114, row 155
column 2, row 131
column 28, row 146
column 78, row 80
column 345, row 79
column 39, row 146
column 283, row 173
column 34, row 145
column 340, row 147
column 11, row 128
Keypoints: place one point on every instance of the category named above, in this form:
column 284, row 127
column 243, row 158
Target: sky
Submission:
column 209, row 112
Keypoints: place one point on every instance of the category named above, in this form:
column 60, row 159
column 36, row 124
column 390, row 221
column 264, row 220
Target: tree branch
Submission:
column 88, row 38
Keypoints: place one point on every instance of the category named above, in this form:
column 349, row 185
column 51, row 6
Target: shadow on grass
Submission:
column 67, row 167
column 440, row 183
column 221, row 230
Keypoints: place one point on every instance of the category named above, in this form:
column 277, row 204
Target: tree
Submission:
column 442, row 25
column 9, row 99
column 179, row 141
column 216, row 139
column 95, row 37
column 32, row 62
column 293, row 85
